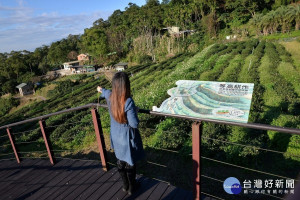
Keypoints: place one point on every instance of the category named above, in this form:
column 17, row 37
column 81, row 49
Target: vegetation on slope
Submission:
column 275, row 101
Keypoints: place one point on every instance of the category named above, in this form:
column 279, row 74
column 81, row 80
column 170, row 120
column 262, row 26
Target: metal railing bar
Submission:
column 246, row 168
column 91, row 105
column 28, row 142
column 147, row 128
column 6, row 154
column 18, row 133
column 245, row 125
column 33, row 152
column 173, row 151
column 163, row 130
column 161, row 180
column 69, row 124
column 212, row 195
column 212, row 178
column 76, row 159
column 8, row 159
column 33, row 157
column 3, row 136
column 94, row 105
column 270, row 150
column 153, row 163
column 112, row 164
column 5, row 145
column 63, row 150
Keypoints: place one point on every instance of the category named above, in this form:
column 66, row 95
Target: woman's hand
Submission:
column 99, row 89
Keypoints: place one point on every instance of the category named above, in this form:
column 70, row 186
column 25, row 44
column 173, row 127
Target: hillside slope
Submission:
column 276, row 101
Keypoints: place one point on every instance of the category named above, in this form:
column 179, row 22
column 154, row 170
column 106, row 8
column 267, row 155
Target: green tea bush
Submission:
column 6, row 104
column 248, row 69
column 63, row 87
column 230, row 73
column 169, row 136
column 259, row 50
column 221, row 64
column 293, row 148
column 284, row 55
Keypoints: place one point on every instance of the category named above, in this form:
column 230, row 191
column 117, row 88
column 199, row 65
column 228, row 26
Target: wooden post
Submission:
column 47, row 142
column 12, row 141
column 100, row 138
column 196, row 138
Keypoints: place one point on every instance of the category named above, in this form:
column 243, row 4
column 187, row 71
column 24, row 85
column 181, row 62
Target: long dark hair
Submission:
column 119, row 95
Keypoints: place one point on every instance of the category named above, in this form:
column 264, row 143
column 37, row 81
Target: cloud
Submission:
column 21, row 29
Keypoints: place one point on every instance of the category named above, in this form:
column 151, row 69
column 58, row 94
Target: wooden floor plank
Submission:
column 52, row 184
column 7, row 169
column 158, row 192
column 70, row 179
column 112, row 190
column 96, row 175
column 120, row 194
column 65, row 183
column 169, row 193
column 80, row 180
column 190, row 196
column 105, row 186
column 181, row 194
column 26, row 169
column 151, row 186
column 16, row 173
column 97, row 184
column 36, row 184
column 11, row 171
column 146, row 185
column 12, row 189
column 5, row 164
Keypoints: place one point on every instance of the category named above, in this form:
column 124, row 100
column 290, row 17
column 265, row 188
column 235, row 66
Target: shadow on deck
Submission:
column 75, row 179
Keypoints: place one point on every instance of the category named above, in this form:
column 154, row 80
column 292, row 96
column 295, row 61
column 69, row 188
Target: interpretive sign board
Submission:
column 205, row 99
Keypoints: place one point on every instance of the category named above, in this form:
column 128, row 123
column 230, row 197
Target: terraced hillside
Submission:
column 276, row 101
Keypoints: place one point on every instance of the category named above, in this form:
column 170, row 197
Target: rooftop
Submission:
column 72, row 62
column 121, row 64
column 21, row 85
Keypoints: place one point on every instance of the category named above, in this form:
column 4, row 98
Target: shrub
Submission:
column 169, row 136
column 62, row 88
column 6, row 104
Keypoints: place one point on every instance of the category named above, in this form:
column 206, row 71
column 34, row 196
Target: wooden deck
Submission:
column 74, row 179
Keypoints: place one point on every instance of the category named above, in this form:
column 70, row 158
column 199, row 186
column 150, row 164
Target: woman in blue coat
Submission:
column 124, row 134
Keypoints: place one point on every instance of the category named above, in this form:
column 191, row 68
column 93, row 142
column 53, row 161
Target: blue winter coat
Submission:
column 125, row 138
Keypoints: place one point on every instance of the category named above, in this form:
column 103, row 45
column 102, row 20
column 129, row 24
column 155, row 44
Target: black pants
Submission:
column 127, row 173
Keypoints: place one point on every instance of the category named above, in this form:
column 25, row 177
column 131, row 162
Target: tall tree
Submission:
column 283, row 18
column 294, row 14
column 95, row 42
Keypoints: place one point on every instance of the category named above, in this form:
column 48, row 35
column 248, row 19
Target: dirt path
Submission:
column 41, row 97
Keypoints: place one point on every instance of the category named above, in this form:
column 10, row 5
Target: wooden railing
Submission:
column 196, row 136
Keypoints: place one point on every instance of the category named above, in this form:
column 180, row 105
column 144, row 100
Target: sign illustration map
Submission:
column 206, row 99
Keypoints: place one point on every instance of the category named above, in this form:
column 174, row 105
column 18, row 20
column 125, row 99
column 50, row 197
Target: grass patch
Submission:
column 291, row 75
column 278, row 36
column 293, row 47
column 230, row 73
column 44, row 90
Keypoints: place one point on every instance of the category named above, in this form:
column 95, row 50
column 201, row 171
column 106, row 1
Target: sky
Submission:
column 28, row 24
